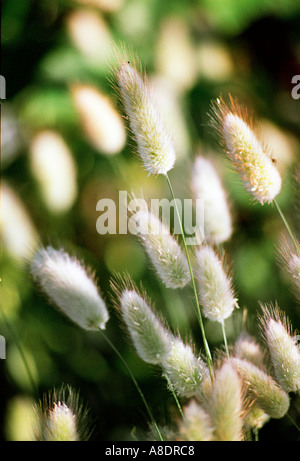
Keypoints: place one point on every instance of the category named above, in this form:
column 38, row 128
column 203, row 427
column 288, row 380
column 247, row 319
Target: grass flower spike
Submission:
column 266, row 393
column 68, row 284
column 184, row 370
column 196, row 424
column 252, row 162
column 151, row 339
column 214, row 287
column 164, row 251
column 206, row 185
column 154, row 142
column 61, row 424
column 284, row 351
column 225, row 405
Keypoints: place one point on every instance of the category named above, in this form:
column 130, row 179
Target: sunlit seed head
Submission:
column 206, row 185
column 225, row 405
column 214, row 286
column 246, row 347
column 264, row 390
column 152, row 340
column 154, row 142
column 101, row 123
column 70, row 287
column 289, row 261
column 283, row 348
column 184, row 370
column 61, row 424
column 254, row 164
column 163, row 249
column 54, row 169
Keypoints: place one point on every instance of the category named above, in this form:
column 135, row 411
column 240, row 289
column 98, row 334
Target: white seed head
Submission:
column 101, row 123
column 67, row 283
column 61, row 424
column 225, row 405
column 150, row 337
column 253, row 163
column 214, row 286
column 255, row 417
column 184, row 370
column 196, row 424
column 206, row 185
column 259, row 174
column 267, row 394
column 154, row 142
column 247, row 348
column 164, row 250
column 290, row 260
column 284, row 351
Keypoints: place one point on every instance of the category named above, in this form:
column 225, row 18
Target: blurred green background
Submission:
column 59, row 159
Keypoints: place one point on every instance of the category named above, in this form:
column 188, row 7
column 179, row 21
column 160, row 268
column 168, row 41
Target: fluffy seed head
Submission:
column 196, row 424
column 284, row 351
column 67, row 283
column 184, row 370
column 247, row 348
column 150, row 337
column 290, row 260
column 206, row 185
column 164, row 250
column 263, row 389
column 154, row 142
column 61, row 424
column 251, row 161
column 226, row 405
column 214, row 286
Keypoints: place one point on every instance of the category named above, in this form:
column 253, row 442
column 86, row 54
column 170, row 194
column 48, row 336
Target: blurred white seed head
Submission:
column 154, row 142
column 54, row 168
column 284, row 351
column 267, row 394
column 225, row 405
column 196, row 424
column 255, row 166
column 102, row 124
column 214, row 286
column 163, row 250
column 184, row 370
column 69, row 285
column 246, row 347
column 255, row 417
column 152, row 340
column 206, row 185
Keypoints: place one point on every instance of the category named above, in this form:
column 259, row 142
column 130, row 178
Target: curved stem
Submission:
column 198, row 311
column 225, row 338
column 174, row 394
column 134, row 382
column 287, row 227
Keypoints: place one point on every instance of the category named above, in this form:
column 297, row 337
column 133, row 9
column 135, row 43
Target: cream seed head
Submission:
column 246, row 347
column 163, row 250
column 152, row 340
column 196, row 424
column 184, row 370
column 61, row 424
column 154, row 142
column 255, row 166
column 206, row 185
column 214, row 286
column 68, row 284
column 284, row 350
column 225, row 405
column 267, row 394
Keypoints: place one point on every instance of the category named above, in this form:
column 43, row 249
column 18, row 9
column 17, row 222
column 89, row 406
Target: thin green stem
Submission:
column 225, row 338
column 256, row 434
column 174, row 394
column 134, row 382
column 198, row 311
column 15, row 338
column 287, row 227
column 293, row 422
